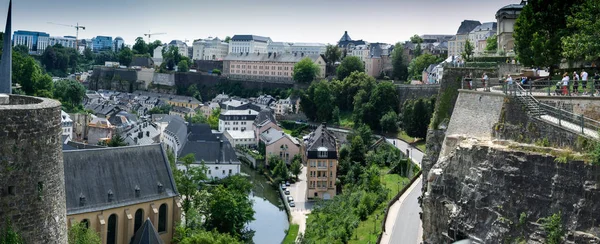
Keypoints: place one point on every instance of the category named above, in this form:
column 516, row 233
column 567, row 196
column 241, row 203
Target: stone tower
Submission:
column 32, row 186
column 32, row 182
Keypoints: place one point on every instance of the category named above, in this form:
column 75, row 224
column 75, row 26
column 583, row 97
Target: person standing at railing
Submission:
column 509, row 82
column 565, row 83
column 484, row 80
column 584, row 81
column 575, row 83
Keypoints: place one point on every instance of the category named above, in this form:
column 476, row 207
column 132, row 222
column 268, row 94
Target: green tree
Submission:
column 416, row 67
column 280, row 170
column 21, row 49
column 79, row 233
column 318, row 101
column 399, row 67
column 216, row 71
column 582, row 43
column 229, row 212
column 171, row 57
column 349, row 65
column 389, row 122
column 183, row 66
column 296, row 165
column 116, row 141
column 125, row 56
column 140, row 46
column 198, row 119
column 227, row 39
column 28, row 75
column 306, row 71
column 552, row 225
column 358, row 149
column 198, row 236
column 193, row 91
column 333, row 53
column 213, row 119
column 49, row 58
column 189, row 180
column 417, row 40
column 165, row 109
column 468, row 52
column 44, row 86
column 416, row 115
column 538, row 32
column 492, row 44
column 153, row 45
column 69, row 92
column 88, row 54
column 105, row 56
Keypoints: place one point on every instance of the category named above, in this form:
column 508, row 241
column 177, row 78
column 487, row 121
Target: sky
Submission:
column 322, row 21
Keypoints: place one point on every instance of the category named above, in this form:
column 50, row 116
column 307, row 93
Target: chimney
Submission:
column 111, row 196
column 275, row 55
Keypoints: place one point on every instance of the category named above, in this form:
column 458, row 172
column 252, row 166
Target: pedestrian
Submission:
column 575, row 83
column 509, row 82
column 484, row 81
column 565, row 83
column 584, row 81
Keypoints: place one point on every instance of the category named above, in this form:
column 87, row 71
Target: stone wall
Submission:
column 164, row 79
column 516, row 125
column 111, row 78
column 32, row 186
column 475, row 114
column 504, row 69
column 208, row 65
column 588, row 106
column 493, row 193
column 409, row 92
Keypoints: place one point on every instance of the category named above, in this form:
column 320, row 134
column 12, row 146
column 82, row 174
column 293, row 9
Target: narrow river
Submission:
column 270, row 217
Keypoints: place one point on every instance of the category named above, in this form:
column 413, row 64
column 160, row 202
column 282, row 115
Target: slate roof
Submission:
column 511, row 9
column 146, row 234
column 321, row 137
column 467, row 26
column 273, row 135
column 488, row 26
column 178, row 128
column 91, row 175
column 200, row 132
column 345, row 37
column 266, row 57
column 250, row 37
column 264, row 116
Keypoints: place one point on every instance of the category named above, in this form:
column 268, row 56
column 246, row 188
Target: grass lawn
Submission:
column 346, row 120
column 292, row 233
column 364, row 231
column 289, row 132
column 420, row 143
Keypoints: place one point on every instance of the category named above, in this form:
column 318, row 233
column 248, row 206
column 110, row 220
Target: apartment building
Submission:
column 210, row 49
column 456, row 45
column 249, row 44
column 320, row 155
column 267, row 66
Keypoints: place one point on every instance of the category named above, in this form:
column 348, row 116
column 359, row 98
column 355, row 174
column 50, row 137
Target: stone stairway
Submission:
column 576, row 123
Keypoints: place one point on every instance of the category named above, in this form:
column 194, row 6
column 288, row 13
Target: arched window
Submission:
column 162, row 218
column 139, row 218
column 111, row 233
column 86, row 223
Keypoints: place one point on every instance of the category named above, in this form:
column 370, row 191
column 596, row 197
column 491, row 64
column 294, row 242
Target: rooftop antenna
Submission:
column 6, row 62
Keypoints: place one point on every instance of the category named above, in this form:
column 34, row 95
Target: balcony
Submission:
column 322, row 168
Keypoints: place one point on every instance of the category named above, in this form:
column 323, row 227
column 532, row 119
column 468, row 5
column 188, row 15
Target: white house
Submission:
column 308, row 48
column 249, row 44
column 237, row 120
column 240, row 138
column 210, row 49
column 67, row 126
column 181, row 46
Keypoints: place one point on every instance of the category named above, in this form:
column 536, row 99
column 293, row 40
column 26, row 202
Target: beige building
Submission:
column 131, row 185
column 210, row 49
column 506, row 18
column 267, row 66
column 478, row 37
column 280, row 144
column 456, row 45
column 287, row 106
column 321, row 157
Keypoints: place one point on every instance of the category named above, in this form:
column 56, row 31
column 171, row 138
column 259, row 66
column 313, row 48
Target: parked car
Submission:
column 290, row 199
column 292, row 204
column 283, row 187
column 287, row 183
column 287, row 192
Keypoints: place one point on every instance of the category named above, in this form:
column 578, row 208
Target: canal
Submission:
column 271, row 220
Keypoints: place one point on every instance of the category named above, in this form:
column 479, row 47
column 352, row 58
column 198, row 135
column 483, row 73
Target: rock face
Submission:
column 492, row 193
column 32, row 186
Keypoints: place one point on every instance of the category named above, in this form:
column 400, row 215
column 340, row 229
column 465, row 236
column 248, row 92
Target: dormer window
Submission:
column 322, row 152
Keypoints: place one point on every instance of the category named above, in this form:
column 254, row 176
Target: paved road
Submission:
column 405, row 217
column 303, row 207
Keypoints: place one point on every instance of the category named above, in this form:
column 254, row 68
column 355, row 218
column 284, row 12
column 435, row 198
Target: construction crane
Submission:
column 149, row 35
column 77, row 27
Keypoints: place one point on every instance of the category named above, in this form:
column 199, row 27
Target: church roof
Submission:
column 146, row 234
column 345, row 37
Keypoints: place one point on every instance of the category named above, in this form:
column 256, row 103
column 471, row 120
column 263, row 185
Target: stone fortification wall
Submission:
column 164, row 79
column 475, row 114
column 587, row 106
column 409, row 92
column 32, row 187
column 495, row 193
column 111, row 78
column 208, row 65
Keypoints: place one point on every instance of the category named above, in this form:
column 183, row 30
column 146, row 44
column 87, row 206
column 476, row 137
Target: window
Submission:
column 111, row 232
column 162, row 218
column 223, row 171
column 139, row 218
column 330, row 164
column 86, row 223
column 230, row 171
column 312, row 164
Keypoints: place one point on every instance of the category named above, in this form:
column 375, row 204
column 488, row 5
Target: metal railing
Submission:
column 546, row 87
column 580, row 122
